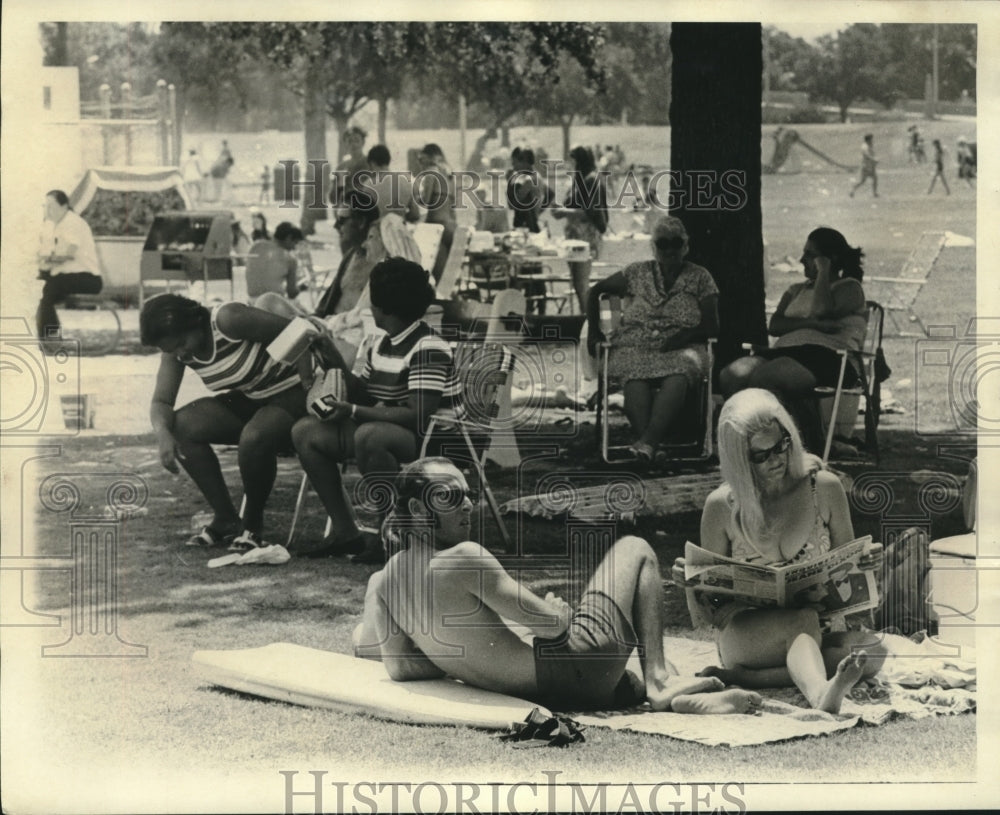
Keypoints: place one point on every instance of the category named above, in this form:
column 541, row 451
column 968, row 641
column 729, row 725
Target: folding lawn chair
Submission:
column 428, row 240
column 900, row 293
column 868, row 366
column 484, row 369
column 453, row 265
column 868, row 387
column 692, row 440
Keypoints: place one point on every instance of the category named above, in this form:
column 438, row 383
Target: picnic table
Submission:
column 518, row 261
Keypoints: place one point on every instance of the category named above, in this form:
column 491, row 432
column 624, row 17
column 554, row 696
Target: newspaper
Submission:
column 831, row 583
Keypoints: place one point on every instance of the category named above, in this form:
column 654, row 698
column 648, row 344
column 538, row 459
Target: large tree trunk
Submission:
column 314, row 203
column 566, row 123
column 60, row 46
column 715, row 128
column 383, row 109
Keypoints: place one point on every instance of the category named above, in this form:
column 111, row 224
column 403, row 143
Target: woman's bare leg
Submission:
column 770, row 638
column 667, row 405
column 638, row 404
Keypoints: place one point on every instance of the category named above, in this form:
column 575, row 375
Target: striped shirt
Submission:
column 416, row 360
column 242, row 365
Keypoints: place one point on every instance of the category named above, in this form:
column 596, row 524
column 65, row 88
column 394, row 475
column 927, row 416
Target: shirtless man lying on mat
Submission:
column 443, row 605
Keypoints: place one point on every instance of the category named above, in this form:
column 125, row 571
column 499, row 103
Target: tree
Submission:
column 109, row 53
column 507, row 65
column 715, row 148
column 637, row 66
column 851, row 66
column 910, row 58
column 791, row 60
column 209, row 74
column 566, row 99
column 395, row 49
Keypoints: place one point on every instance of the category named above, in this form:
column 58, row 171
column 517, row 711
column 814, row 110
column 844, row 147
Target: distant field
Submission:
column 642, row 145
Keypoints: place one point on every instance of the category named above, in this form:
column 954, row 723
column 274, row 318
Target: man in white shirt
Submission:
column 67, row 261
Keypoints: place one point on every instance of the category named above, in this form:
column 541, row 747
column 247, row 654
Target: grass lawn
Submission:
column 152, row 722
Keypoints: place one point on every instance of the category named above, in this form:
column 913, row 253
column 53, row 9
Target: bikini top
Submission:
column 816, row 543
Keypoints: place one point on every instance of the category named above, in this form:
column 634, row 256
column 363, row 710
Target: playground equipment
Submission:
column 136, row 130
column 784, row 141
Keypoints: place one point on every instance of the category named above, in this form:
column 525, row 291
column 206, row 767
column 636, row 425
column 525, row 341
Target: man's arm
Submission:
column 510, row 600
column 403, row 660
column 292, row 278
column 242, row 322
column 161, row 408
column 62, row 253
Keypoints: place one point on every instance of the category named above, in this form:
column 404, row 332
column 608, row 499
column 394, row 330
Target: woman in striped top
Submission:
column 259, row 401
column 407, row 375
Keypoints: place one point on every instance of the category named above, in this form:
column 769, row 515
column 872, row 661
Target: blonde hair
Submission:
column 744, row 414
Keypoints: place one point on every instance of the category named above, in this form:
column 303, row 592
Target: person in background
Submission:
column 272, row 276
column 258, row 226
column 868, row 165
column 658, row 352
column 436, row 194
column 390, row 195
column 966, row 155
column 192, row 174
column 585, row 209
column 240, row 243
column 67, row 262
column 389, row 192
column 220, row 170
column 265, row 186
column 527, row 193
column 814, row 319
column 938, row 168
column 916, row 148
column 350, row 224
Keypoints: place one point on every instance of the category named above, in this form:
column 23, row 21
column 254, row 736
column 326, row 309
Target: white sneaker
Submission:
column 273, row 555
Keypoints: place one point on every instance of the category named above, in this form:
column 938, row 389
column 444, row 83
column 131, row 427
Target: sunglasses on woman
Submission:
column 760, row 456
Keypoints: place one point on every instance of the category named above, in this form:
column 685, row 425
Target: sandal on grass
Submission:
column 210, row 537
column 642, row 451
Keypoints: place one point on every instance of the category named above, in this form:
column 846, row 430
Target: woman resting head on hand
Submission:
column 815, row 318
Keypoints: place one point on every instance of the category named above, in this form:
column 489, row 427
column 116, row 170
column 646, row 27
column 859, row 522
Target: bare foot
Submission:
column 661, row 693
column 849, row 671
column 727, row 701
column 728, row 676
